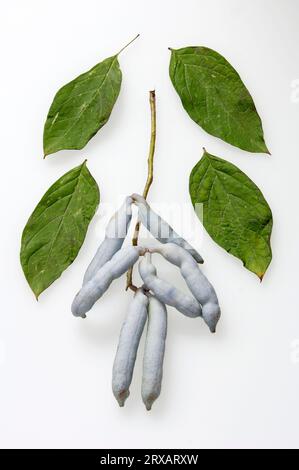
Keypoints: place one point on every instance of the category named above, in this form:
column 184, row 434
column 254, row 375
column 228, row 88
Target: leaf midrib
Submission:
column 63, row 217
column 226, row 111
column 233, row 73
column 242, row 229
column 230, row 203
column 46, row 196
column 87, row 107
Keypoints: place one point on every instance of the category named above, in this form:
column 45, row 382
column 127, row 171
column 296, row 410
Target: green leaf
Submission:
column 215, row 97
column 233, row 210
column 57, row 227
column 81, row 107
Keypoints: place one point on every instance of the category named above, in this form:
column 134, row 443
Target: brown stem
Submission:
column 125, row 47
column 149, row 180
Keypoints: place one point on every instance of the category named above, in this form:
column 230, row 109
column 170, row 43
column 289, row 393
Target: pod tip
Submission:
column 149, row 400
column 121, row 397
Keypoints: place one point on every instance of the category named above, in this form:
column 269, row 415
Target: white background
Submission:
column 238, row 388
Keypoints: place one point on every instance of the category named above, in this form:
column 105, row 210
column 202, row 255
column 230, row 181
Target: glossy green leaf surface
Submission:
column 233, row 210
column 215, row 97
column 82, row 107
column 57, row 227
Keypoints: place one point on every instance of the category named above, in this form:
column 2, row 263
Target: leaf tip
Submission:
column 264, row 148
column 261, row 276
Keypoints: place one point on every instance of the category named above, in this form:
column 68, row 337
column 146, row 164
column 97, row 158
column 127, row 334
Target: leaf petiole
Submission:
column 127, row 45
